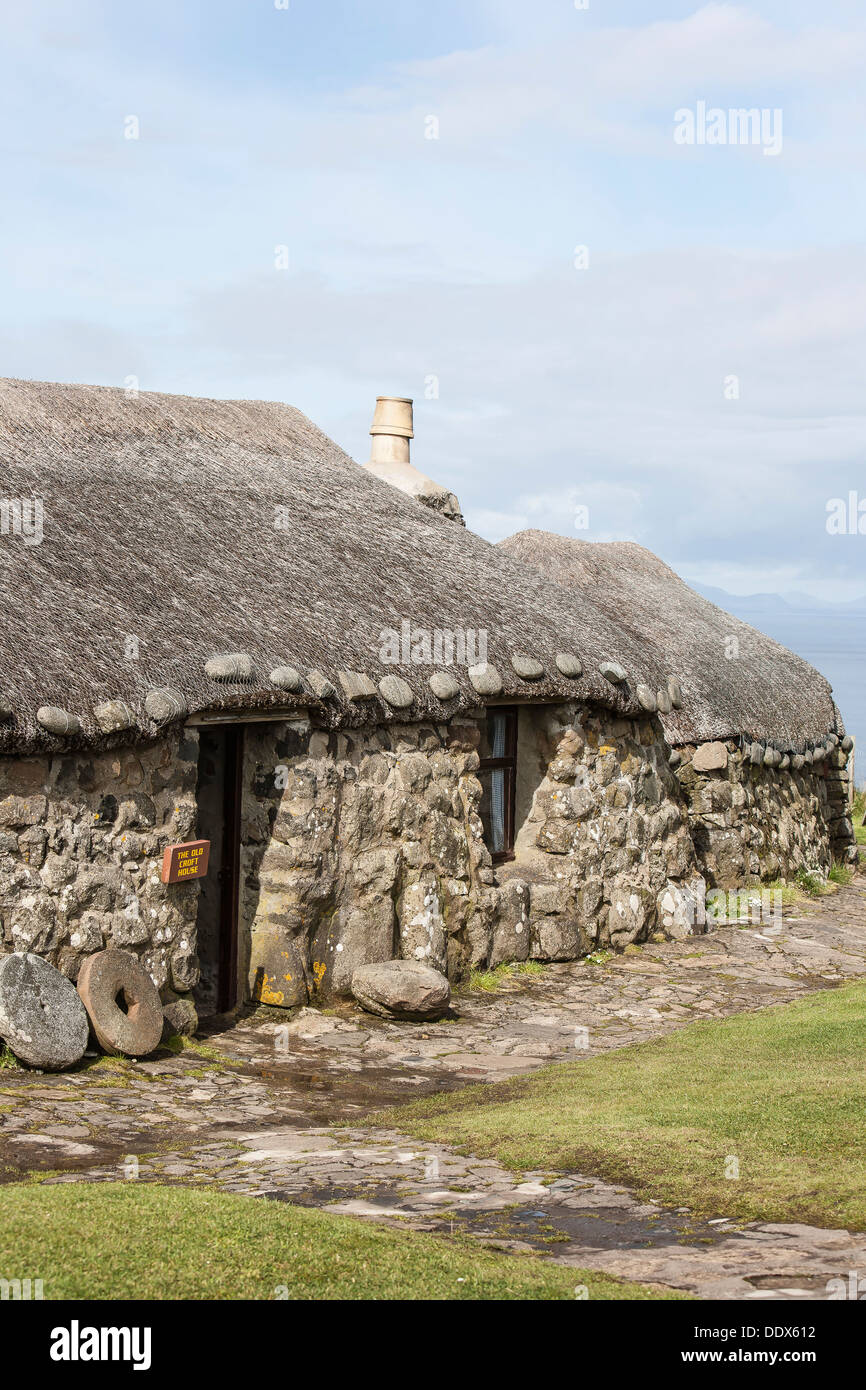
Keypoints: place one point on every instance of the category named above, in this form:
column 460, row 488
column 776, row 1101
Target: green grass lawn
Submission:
column 136, row 1240
column 782, row 1090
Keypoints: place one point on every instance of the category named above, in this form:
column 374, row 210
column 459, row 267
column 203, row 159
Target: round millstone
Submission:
column 663, row 700
column 286, row 678
column 41, row 1016
column 645, row 698
column 443, row 685
column 165, row 703
column 567, row 664
column 58, row 721
column 527, row 668
column 396, row 691
column 234, row 666
column 675, row 691
column 485, row 679
column 113, row 715
column 136, row 1028
column 613, row 672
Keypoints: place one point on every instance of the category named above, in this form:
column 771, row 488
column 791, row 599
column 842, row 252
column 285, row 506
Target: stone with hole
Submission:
column 403, row 989
column 41, row 1016
column 122, row 1003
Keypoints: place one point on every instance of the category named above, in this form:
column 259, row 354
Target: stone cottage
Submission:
column 392, row 738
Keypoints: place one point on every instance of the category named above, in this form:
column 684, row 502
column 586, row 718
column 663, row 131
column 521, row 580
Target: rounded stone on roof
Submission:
column 613, row 672
column 569, row 665
column 356, row 685
column 58, row 721
column 396, row 691
column 485, row 678
column 675, row 691
column 233, row 666
column 6, row 711
column 847, row 743
column 113, row 715
column 443, row 685
column 756, row 752
column 663, row 700
column 786, row 762
column 320, row 685
column 527, row 668
column 797, row 761
column 286, row 678
column 645, row 698
column 807, row 757
column 165, row 703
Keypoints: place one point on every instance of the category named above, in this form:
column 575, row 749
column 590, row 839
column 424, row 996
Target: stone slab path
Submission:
column 267, row 1108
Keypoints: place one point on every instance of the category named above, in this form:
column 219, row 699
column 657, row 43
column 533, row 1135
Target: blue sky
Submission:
column 411, row 258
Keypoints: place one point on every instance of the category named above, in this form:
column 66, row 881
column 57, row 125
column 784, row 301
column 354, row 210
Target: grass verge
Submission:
column 129, row 1241
column 781, row 1091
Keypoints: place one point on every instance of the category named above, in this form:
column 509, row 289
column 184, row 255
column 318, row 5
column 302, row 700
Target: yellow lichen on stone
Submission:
column 267, row 995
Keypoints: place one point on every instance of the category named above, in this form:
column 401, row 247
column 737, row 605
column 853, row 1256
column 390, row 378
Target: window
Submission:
column 498, row 776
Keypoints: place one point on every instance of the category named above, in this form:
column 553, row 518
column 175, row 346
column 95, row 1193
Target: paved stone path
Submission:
column 267, row 1108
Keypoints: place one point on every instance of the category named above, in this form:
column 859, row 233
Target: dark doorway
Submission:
column 218, row 797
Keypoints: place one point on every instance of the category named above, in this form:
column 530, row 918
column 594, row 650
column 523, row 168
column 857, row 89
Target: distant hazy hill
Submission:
column 832, row 636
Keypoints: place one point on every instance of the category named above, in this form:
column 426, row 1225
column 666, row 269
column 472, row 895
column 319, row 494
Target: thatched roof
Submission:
column 765, row 691
column 203, row 528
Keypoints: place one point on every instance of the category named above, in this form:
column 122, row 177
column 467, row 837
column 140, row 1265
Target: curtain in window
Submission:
column 497, row 787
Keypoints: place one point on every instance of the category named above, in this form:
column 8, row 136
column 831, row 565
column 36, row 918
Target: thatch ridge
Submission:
column 766, row 692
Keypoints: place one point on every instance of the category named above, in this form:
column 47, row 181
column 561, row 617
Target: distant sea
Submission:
column 832, row 637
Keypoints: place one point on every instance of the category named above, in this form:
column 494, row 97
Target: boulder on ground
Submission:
column 41, row 1016
column 180, row 1017
column 401, row 989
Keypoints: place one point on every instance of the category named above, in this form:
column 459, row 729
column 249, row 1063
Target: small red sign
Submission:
column 180, row 862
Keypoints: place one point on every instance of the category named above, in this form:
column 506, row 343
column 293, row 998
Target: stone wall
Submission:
column 81, row 842
column 367, row 845
column 763, row 823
